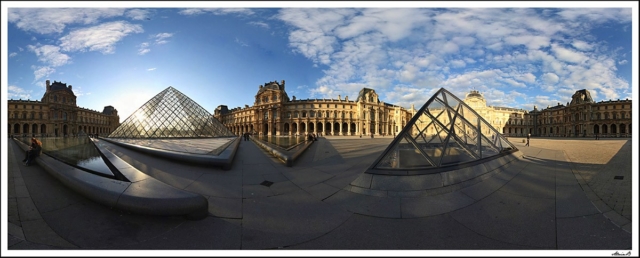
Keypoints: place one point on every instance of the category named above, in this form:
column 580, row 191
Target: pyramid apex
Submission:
column 170, row 114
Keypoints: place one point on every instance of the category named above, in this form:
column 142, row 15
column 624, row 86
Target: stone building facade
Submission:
column 274, row 113
column 57, row 115
column 582, row 117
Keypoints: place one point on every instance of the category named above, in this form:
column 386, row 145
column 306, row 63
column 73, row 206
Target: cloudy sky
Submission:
column 517, row 57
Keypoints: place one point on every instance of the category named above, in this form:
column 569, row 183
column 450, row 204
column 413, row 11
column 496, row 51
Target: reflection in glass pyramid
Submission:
column 171, row 114
column 444, row 132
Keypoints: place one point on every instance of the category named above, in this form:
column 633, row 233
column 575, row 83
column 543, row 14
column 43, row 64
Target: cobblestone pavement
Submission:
column 605, row 165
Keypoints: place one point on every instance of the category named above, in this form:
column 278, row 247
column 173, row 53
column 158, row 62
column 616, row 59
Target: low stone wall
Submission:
column 286, row 156
column 142, row 194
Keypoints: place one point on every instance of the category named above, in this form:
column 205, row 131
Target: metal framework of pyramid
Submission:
column 171, row 114
column 444, row 132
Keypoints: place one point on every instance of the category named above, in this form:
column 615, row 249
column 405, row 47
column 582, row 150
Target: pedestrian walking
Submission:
column 528, row 136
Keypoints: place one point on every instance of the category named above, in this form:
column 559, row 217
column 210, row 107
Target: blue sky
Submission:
column 518, row 57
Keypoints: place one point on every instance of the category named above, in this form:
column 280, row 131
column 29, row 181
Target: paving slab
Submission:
column 509, row 218
column 592, row 232
column 571, row 202
column 439, row 232
column 384, row 207
column 287, row 219
column 230, row 208
column 218, row 185
column 434, row 205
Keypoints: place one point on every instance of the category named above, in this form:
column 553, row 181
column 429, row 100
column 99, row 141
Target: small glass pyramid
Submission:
column 171, row 114
column 444, row 132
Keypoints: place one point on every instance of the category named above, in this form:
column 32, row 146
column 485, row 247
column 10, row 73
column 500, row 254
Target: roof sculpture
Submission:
column 444, row 132
column 171, row 114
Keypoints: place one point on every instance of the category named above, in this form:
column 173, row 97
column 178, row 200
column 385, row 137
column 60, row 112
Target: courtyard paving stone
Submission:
column 561, row 195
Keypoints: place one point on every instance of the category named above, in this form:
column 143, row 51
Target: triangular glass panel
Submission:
column 444, row 132
column 170, row 114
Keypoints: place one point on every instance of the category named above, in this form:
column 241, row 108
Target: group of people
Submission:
column 245, row 136
column 34, row 151
column 312, row 137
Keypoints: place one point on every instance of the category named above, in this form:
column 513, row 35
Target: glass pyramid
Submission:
column 444, row 132
column 171, row 114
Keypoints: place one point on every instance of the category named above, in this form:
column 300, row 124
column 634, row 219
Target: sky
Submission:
column 517, row 57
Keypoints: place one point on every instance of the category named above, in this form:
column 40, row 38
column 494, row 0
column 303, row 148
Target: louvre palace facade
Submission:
column 57, row 115
column 582, row 117
column 274, row 113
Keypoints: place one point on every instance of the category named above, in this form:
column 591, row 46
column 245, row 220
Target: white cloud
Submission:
column 47, row 20
column 527, row 77
column 143, row 51
column 216, row 11
column 161, row 38
column 457, row 63
column 622, row 62
column 581, row 45
column 15, row 92
column 144, row 48
column 13, row 54
column 567, row 54
column 241, row 43
column 531, row 41
column 101, row 38
column 137, row 14
column 50, row 55
column 260, row 24
column 151, row 69
column 550, row 78
column 41, row 72
column 597, row 15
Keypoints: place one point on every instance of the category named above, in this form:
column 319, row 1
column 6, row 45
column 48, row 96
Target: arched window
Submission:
column 55, row 98
column 266, row 114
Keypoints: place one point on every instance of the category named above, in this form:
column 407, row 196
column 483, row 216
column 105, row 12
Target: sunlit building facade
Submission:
column 57, row 115
column 274, row 113
column 582, row 117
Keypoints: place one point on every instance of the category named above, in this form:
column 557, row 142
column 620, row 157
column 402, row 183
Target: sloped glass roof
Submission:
column 444, row 132
column 171, row 114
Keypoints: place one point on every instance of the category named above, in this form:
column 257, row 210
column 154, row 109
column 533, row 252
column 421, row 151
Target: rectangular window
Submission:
column 335, row 105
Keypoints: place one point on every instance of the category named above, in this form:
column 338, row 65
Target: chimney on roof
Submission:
column 48, row 85
column 339, row 97
column 70, row 87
